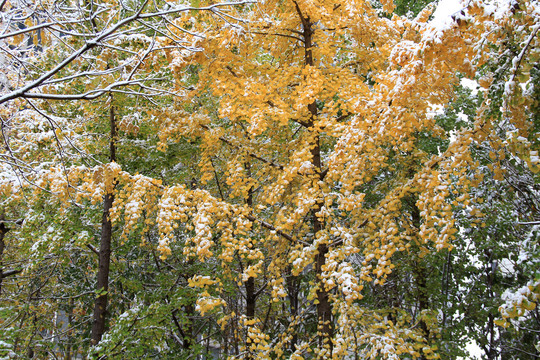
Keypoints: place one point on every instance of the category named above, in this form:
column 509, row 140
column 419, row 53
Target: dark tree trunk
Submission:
column 422, row 298
column 3, row 231
column 324, row 307
column 189, row 310
column 492, row 352
column 251, row 297
column 189, row 313
column 102, row 286
column 419, row 273
column 186, row 332
column 293, row 288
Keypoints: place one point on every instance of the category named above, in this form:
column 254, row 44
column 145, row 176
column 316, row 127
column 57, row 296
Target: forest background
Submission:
column 269, row 179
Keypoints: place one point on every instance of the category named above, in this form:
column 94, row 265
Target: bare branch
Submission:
column 277, row 34
column 90, row 44
column 5, row 274
column 529, row 223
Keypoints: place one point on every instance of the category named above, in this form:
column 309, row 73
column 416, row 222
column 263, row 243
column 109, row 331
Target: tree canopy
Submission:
column 269, row 179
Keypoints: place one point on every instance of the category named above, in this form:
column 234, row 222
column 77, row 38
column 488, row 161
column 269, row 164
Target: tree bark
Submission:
column 3, row 231
column 251, row 297
column 492, row 352
column 102, row 286
column 293, row 288
column 324, row 307
column 419, row 273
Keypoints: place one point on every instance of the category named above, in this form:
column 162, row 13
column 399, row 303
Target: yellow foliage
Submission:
column 309, row 119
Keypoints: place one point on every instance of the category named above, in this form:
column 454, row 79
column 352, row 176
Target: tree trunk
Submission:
column 324, row 307
column 189, row 310
column 3, row 231
column 251, row 297
column 419, row 273
column 490, row 280
column 325, row 326
column 102, row 286
column 422, row 298
column 293, row 286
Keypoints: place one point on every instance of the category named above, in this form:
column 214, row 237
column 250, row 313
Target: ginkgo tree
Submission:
column 329, row 102
column 326, row 189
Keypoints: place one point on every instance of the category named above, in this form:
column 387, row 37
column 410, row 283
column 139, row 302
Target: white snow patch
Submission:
column 499, row 8
column 463, row 117
column 475, row 352
column 507, row 267
column 442, row 16
column 470, row 84
column 434, row 110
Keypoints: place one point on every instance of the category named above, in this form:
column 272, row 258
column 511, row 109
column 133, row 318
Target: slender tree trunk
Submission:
column 3, row 231
column 70, row 322
column 492, row 353
column 102, row 286
column 292, row 292
column 422, row 298
column 187, row 331
column 490, row 280
column 236, row 334
column 189, row 309
column 251, row 297
column 324, row 307
column 189, row 313
column 446, row 286
column 419, row 271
